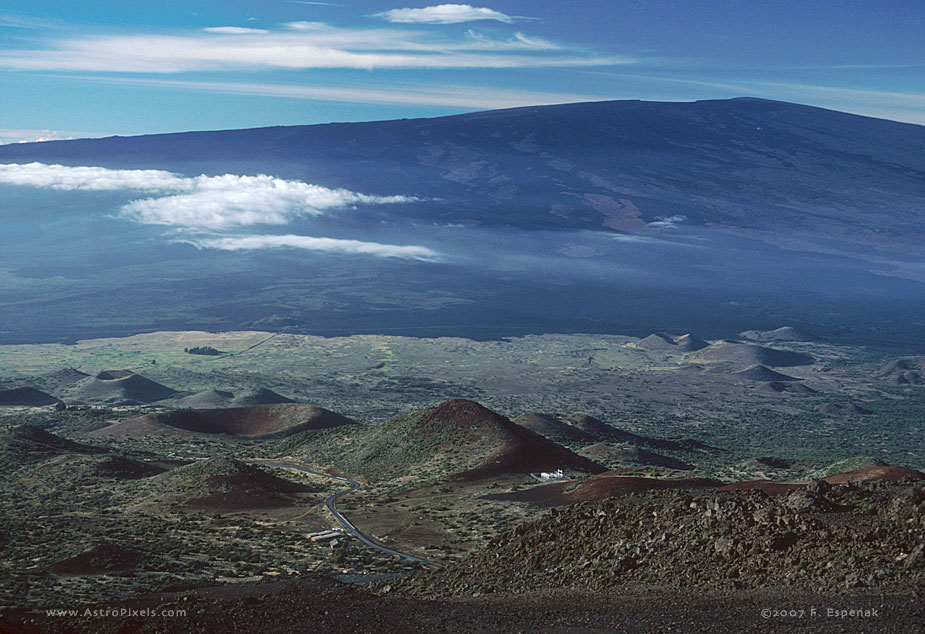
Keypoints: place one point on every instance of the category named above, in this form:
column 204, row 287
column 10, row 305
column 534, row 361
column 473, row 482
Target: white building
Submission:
column 547, row 476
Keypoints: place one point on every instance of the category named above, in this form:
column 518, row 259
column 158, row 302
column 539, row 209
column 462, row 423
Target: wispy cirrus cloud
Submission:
column 293, row 46
column 19, row 135
column 335, row 245
column 450, row 96
column 232, row 30
column 14, row 21
column 768, row 88
column 515, row 42
column 443, row 14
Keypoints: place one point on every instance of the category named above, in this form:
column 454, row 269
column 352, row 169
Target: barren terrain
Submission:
column 157, row 503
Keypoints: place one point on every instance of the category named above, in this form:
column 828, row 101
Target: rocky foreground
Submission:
column 319, row 607
column 818, row 558
column 814, row 538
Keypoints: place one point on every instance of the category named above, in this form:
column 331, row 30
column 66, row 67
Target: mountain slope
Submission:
column 581, row 428
column 459, row 439
column 554, row 428
column 614, row 165
column 255, row 421
column 213, row 399
column 748, row 355
column 666, row 342
column 905, row 371
column 217, row 483
column 24, row 444
column 763, row 373
column 26, row 396
column 713, row 216
column 122, row 387
column 614, row 456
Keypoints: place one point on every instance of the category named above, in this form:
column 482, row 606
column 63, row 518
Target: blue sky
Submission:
column 102, row 67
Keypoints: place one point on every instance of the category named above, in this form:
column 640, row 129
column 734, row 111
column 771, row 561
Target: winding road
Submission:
column 330, row 501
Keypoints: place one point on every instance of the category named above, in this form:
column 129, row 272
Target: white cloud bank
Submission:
column 668, row 222
column 443, row 14
column 64, row 178
column 210, row 205
column 223, row 202
column 249, row 242
column 201, row 202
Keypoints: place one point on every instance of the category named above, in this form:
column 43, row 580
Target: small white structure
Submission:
column 325, row 536
column 554, row 476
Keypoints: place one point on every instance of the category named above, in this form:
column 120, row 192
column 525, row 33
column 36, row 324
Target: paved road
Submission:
column 330, row 502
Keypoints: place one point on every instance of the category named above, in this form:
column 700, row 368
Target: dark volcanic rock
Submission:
column 256, row 421
column 26, row 396
column 763, row 373
column 690, row 343
column 65, row 377
column 99, row 559
column 905, row 371
column 207, row 399
column 554, row 428
column 23, row 444
column 658, row 341
column 219, row 484
column 774, row 463
column 817, row 536
column 670, row 343
column 805, row 499
column 780, row 387
column 122, row 468
column 261, row 396
column 747, row 354
column 123, row 387
column 613, row 455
